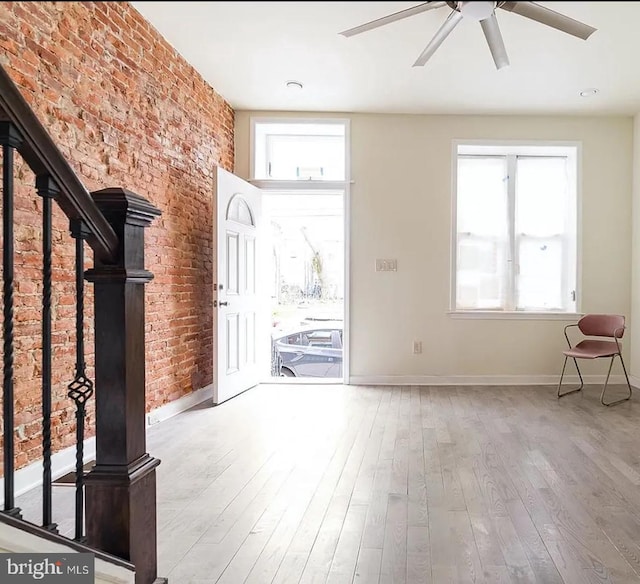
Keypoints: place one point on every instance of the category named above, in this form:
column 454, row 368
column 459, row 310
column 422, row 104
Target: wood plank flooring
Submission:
column 403, row 485
column 400, row 485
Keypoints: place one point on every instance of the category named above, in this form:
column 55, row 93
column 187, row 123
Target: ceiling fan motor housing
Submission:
column 474, row 10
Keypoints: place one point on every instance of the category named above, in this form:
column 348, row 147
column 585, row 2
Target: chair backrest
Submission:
column 602, row 325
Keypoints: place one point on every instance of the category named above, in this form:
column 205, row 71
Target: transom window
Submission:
column 299, row 151
column 515, row 229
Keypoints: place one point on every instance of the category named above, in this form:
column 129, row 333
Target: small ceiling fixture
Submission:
column 294, row 85
column 589, row 92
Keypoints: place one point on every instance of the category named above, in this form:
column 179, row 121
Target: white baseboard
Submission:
column 477, row 379
column 62, row 462
column 179, row 405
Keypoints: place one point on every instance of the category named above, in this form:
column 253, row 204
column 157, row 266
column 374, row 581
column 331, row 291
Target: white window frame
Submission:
column 309, row 186
column 316, row 183
column 514, row 148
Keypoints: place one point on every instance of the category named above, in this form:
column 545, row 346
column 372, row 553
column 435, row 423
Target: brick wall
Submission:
column 126, row 110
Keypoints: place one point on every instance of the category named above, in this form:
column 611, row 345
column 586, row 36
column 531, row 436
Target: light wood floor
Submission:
column 402, row 485
column 328, row 484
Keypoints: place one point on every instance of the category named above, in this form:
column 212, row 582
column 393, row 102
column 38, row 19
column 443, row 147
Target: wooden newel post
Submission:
column 121, row 488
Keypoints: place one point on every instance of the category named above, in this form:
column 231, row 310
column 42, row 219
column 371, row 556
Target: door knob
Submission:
column 223, row 304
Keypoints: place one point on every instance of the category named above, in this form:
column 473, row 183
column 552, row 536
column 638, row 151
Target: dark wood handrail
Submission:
column 43, row 156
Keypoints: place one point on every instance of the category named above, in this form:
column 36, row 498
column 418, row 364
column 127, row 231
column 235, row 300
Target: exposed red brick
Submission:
column 126, row 110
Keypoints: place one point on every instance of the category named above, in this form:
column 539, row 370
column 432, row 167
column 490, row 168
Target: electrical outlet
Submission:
column 417, row 347
column 152, row 419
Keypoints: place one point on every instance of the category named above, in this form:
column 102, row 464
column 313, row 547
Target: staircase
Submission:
column 115, row 510
column 17, row 536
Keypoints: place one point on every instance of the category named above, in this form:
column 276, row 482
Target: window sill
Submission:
column 514, row 315
column 299, row 184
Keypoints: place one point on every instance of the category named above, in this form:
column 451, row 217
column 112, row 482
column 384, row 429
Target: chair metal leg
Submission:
column 562, row 376
column 604, row 389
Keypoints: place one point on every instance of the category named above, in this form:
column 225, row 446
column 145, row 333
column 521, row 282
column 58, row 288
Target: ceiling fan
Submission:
column 485, row 13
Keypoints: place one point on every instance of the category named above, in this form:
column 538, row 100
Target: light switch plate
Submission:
column 386, row 265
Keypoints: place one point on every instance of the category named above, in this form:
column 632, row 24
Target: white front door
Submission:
column 241, row 344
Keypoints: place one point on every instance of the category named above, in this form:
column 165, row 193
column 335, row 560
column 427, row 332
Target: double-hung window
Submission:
column 515, row 246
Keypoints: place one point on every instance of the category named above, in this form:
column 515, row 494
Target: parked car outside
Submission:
column 309, row 351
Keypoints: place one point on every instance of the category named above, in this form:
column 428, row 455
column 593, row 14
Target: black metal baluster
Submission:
column 10, row 139
column 81, row 388
column 48, row 190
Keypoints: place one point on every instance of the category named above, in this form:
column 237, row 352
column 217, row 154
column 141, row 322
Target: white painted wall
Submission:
column 401, row 208
column 635, row 258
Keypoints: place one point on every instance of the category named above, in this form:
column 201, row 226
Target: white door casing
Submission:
column 241, row 343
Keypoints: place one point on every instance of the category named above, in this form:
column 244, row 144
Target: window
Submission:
column 295, row 340
column 321, row 338
column 300, row 150
column 515, row 232
column 239, row 211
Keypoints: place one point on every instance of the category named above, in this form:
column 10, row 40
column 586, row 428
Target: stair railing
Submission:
column 115, row 505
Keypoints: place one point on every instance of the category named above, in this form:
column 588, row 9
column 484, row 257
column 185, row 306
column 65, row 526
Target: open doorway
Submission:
column 307, row 287
column 302, row 167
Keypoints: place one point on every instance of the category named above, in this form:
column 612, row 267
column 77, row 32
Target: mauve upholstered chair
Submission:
column 602, row 326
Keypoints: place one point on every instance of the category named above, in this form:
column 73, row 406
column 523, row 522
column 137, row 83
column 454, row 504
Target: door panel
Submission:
column 241, row 317
column 233, row 340
column 233, row 260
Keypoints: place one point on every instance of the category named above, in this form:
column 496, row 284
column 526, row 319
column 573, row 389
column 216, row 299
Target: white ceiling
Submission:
column 248, row 50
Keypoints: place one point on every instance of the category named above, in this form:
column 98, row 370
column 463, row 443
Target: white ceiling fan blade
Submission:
column 443, row 32
column 550, row 18
column 393, row 18
column 493, row 35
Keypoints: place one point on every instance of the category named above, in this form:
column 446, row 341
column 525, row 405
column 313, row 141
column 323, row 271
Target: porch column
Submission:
column 121, row 488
